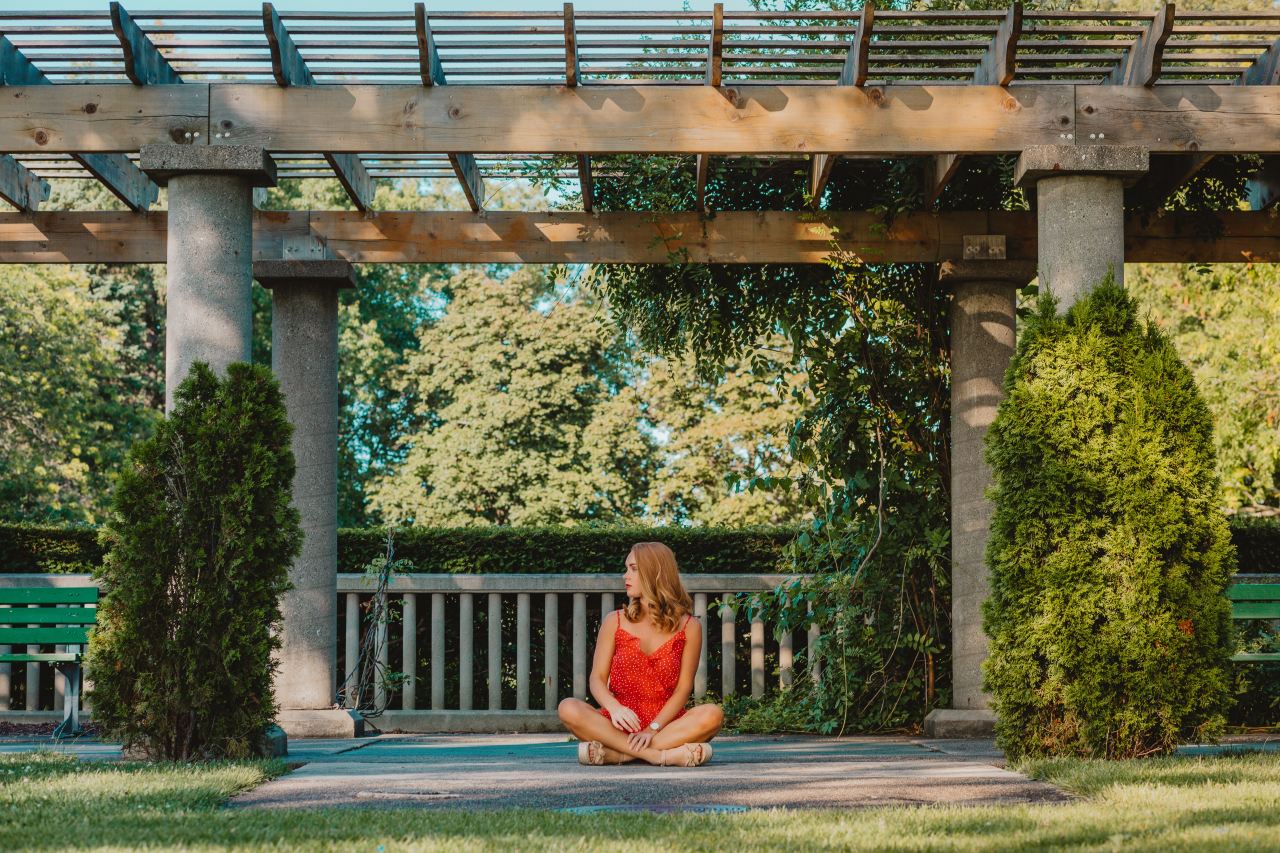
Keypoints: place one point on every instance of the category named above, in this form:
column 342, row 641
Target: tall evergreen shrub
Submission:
column 200, row 542
column 1109, row 551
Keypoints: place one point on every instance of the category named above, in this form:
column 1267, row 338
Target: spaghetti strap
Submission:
column 687, row 617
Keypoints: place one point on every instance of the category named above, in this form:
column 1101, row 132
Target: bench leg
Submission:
column 70, row 725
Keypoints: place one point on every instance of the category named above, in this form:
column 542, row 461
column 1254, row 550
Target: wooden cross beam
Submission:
column 996, row 68
column 290, row 69
column 852, row 73
column 715, row 76
column 115, row 171
column 571, row 79
column 20, row 186
column 1141, row 64
column 732, row 237
column 464, row 165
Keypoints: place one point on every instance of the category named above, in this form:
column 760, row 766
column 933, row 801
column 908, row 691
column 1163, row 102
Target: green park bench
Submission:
column 47, row 623
column 1255, row 601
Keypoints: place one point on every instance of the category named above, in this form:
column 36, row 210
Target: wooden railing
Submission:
column 478, row 640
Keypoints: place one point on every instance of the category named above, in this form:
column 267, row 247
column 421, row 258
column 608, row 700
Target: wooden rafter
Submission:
column 852, row 73
column 715, row 77
column 996, row 68
column 20, row 186
column 571, row 79
column 627, row 237
column 143, row 63
column 464, row 164
column 1141, row 64
column 125, row 180
column 290, row 69
column 1264, row 187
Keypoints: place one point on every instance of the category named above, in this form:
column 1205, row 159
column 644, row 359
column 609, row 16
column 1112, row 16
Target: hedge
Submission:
column 534, row 550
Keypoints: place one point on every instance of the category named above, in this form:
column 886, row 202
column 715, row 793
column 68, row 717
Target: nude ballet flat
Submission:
column 687, row 755
column 591, row 752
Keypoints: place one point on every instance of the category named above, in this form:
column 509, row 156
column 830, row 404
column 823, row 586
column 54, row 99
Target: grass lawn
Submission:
column 50, row 802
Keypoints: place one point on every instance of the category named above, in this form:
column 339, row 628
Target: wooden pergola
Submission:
column 1097, row 107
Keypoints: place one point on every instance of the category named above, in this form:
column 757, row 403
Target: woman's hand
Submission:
column 624, row 719
column 640, row 740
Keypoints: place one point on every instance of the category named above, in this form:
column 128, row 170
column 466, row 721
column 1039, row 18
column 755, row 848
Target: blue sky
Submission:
column 377, row 5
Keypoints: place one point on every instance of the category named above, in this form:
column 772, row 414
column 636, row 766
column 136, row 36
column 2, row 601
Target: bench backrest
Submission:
column 1254, row 600
column 31, row 616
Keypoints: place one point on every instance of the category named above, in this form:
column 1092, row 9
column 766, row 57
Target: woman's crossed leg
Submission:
column 698, row 725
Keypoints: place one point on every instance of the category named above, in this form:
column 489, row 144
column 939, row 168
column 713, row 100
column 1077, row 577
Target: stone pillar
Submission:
column 1079, row 212
column 209, row 309
column 304, row 356
column 982, row 343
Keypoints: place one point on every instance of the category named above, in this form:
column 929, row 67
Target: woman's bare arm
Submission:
column 623, row 717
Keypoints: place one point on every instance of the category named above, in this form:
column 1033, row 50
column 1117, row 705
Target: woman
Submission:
column 642, row 674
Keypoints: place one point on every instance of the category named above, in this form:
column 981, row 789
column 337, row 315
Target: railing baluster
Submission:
column 606, row 605
column 437, row 651
column 59, row 680
column 728, row 668
column 815, row 668
column 757, row 657
column 351, row 646
column 466, row 654
column 495, row 651
column 384, row 654
column 580, row 645
column 409, row 652
column 551, row 651
column 700, row 613
column 522, row 651
column 6, row 674
column 785, row 674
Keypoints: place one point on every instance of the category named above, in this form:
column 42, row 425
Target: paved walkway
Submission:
column 541, row 771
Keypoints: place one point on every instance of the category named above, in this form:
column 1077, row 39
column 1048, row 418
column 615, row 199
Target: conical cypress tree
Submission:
column 1109, row 552
column 200, row 545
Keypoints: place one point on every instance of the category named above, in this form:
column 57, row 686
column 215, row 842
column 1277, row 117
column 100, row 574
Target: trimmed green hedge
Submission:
column 534, row 550
column 38, row 548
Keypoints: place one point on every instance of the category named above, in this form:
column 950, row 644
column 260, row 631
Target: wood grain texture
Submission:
column 730, row 237
column 143, row 63
column 1168, row 119
column 1141, row 63
column 854, row 71
column 643, row 119
column 101, row 118
column 19, row 186
column 1000, row 62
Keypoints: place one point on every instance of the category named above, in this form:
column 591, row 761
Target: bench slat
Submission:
column 41, row 658
column 1256, row 656
column 1254, row 592
column 1255, row 610
column 47, row 616
column 40, row 636
column 49, row 595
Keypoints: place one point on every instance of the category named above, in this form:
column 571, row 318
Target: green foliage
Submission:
column 541, row 550
column 199, row 548
column 1222, row 319
column 49, row 548
column 1109, row 554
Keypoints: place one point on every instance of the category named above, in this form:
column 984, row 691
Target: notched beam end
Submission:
column 468, row 172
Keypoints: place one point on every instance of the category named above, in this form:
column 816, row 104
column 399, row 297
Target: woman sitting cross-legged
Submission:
column 642, row 674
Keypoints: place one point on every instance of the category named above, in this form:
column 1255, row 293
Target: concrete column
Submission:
column 983, row 312
column 209, row 309
column 304, row 356
column 1079, row 212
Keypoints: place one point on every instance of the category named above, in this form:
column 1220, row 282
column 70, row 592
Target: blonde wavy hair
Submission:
column 669, row 601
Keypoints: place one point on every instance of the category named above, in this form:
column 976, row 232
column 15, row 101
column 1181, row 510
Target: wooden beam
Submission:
column 585, row 182
column 125, row 180
column 1000, row 62
column 464, row 165
column 1264, row 186
column 143, row 63
column 732, row 237
column 715, row 47
column 20, row 186
column 854, row 72
column 290, row 69
column 1141, row 65
column 1265, row 70
column 570, row 47
column 819, row 175
column 703, row 168
column 996, row 68
column 658, row 119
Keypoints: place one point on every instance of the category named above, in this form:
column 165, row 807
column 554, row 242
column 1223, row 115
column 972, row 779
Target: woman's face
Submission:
column 632, row 578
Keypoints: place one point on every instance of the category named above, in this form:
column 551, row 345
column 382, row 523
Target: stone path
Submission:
column 541, row 771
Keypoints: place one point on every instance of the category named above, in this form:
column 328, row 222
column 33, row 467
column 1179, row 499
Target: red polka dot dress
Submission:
column 643, row 682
